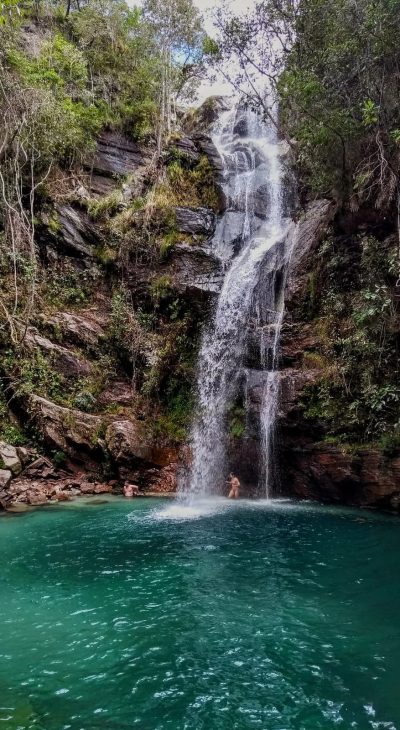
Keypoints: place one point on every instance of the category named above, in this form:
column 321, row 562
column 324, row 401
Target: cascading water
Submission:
column 252, row 228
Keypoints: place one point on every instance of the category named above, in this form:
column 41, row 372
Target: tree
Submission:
column 178, row 30
column 335, row 67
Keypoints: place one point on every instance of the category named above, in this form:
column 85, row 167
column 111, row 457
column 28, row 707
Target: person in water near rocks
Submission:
column 131, row 490
column 234, row 487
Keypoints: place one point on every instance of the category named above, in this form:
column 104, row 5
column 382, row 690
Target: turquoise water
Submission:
column 145, row 615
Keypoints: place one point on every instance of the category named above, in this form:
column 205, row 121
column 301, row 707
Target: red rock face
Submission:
column 326, row 473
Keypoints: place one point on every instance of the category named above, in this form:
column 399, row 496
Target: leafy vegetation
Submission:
column 356, row 316
column 92, row 65
column 335, row 66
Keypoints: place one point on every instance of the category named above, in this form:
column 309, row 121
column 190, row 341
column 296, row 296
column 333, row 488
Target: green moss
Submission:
column 105, row 206
column 67, row 286
column 237, row 422
column 160, row 288
column 13, row 434
column 54, row 224
column 389, row 443
column 59, row 458
column 10, row 432
column 34, row 373
column 172, row 425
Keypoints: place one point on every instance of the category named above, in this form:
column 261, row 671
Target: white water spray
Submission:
column 254, row 224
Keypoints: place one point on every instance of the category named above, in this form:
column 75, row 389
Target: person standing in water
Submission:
column 234, row 487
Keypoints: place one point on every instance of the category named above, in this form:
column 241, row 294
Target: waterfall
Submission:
column 251, row 230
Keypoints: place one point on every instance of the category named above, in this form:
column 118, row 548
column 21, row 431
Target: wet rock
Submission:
column 195, row 221
column 18, row 507
column 230, row 228
column 241, row 128
column 208, row 148
column 87, row 488
column 9, row 458
column 202, row 119
column 36, row 497
column 327, row 472
column 63, row 496
column 162, row 481
column 196, row 268
column 5, row 478
column 306, row 236
column 296, row 340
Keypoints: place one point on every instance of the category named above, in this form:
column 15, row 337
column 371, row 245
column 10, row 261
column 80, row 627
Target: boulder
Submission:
column 36, row 497
column 202, row 119
column 9, row 458
column 118, row 392
column 195, row 221
column 164, row 480
column 126, row 442
column 25, row 455
column 87, row 487
column 41, row 468
column 5, row 478
column 85, row 328
column 63, row 496
column 102, row 488
column 66, row 429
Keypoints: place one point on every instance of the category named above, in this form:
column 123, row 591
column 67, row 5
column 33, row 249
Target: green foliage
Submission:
column 390, row 443
column 192, row 187
column 370, row 113
column 59, row 64
column 335, row 64
column 34, row 373
column 357, row 397
column 67, row 286
column 84, row 401
column 160, row 288
column 10, row 12
column 13, row 434
column 125, row 335
column 10, row 432
column 237, row 422
column 172, row 425
column 59, row 458
column 211, row 47
column 106, row 205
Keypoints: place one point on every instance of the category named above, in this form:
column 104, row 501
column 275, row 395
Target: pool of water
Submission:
column 220, row 616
